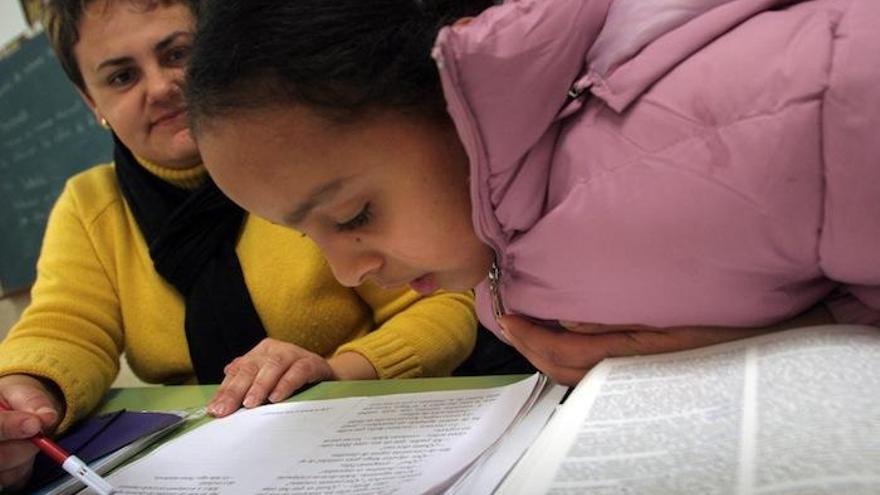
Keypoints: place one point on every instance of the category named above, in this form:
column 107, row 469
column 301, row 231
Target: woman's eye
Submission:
column 177, row 56
column 121, row 78
column 356, row 222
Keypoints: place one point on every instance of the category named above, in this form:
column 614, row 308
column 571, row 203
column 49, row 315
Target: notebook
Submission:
column 103, row 442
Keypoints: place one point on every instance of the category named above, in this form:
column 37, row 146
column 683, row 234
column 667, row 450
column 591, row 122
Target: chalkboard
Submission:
column 47, row 134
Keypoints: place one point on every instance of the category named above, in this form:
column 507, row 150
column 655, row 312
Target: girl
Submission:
column 146, row 257
column 649, row 175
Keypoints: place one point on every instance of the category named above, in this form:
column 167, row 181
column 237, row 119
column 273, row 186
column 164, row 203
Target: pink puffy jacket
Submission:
column 673, row 162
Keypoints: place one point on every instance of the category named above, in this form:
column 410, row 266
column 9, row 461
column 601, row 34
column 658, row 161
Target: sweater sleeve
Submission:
column 71, row 333
column 416, row 336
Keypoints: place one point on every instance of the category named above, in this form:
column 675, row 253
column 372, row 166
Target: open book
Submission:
column 797, row 412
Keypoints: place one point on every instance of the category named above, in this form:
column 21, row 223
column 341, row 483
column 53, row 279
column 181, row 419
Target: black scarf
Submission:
column 192, row 237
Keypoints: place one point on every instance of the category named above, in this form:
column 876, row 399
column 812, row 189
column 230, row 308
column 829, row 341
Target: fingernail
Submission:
column 46, row 410
column 249, row 401
column 30, row 427
column 275, row 397
column 216, row 409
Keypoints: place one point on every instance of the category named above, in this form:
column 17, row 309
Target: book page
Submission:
column 791, row 412
column 816, row 416
column 406, row 443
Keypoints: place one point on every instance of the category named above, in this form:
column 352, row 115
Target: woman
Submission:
column 651, row 176
column 213, row 284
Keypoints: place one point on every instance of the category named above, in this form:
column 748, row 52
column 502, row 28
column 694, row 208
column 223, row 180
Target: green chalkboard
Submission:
column 47, row 134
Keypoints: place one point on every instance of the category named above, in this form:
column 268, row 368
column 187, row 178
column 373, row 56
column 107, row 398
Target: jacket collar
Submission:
column 507, row 75
column 621, row 70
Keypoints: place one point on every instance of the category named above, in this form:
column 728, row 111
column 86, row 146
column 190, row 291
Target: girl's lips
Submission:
column 424, row 285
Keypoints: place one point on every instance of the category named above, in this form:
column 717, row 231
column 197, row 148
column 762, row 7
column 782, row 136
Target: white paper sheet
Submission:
column 406, row 443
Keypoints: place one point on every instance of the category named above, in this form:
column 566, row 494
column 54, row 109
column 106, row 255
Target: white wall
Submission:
column 12, row 20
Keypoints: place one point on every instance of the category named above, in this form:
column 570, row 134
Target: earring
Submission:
column 104, row 123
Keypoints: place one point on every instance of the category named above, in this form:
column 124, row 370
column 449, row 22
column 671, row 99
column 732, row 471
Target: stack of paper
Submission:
column 405, row 443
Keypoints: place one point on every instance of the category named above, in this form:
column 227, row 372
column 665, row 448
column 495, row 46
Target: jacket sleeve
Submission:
column 71, row 333
column 850, row 235
column 416, row 336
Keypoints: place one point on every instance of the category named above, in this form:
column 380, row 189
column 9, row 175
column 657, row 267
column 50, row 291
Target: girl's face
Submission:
column 386, row 198
column 132, row 60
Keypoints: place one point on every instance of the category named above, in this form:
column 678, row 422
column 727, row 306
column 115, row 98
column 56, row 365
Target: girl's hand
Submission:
column 567, row 355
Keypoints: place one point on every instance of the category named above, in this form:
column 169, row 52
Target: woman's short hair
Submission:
column 62, row 19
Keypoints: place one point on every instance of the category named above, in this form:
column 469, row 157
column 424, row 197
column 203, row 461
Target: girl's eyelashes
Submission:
column 356, row 222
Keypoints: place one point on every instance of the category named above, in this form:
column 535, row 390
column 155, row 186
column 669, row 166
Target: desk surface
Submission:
column 176, row 397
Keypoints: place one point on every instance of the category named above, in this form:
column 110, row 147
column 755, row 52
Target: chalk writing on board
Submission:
column 47, row 135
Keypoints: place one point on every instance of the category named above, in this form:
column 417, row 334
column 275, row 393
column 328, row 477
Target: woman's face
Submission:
column 386, row 198
column 132, row 60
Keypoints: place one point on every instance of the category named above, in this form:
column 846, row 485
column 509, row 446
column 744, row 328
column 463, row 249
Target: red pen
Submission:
column 71, row 463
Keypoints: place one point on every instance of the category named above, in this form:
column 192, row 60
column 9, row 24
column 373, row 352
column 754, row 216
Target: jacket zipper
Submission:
column 472, row 142
column 575, row 91
column 495, row 290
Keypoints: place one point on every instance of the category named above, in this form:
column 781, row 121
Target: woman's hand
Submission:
column 35, row 408
column 567, row 355
column 273, row 369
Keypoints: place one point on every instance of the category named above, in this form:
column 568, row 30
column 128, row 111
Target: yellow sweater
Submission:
column 97, row 295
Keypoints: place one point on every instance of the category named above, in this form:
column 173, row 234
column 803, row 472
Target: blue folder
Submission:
column 96, row 437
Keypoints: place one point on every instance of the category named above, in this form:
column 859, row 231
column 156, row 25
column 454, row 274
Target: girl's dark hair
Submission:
column 339, row 57
column 62, row 18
